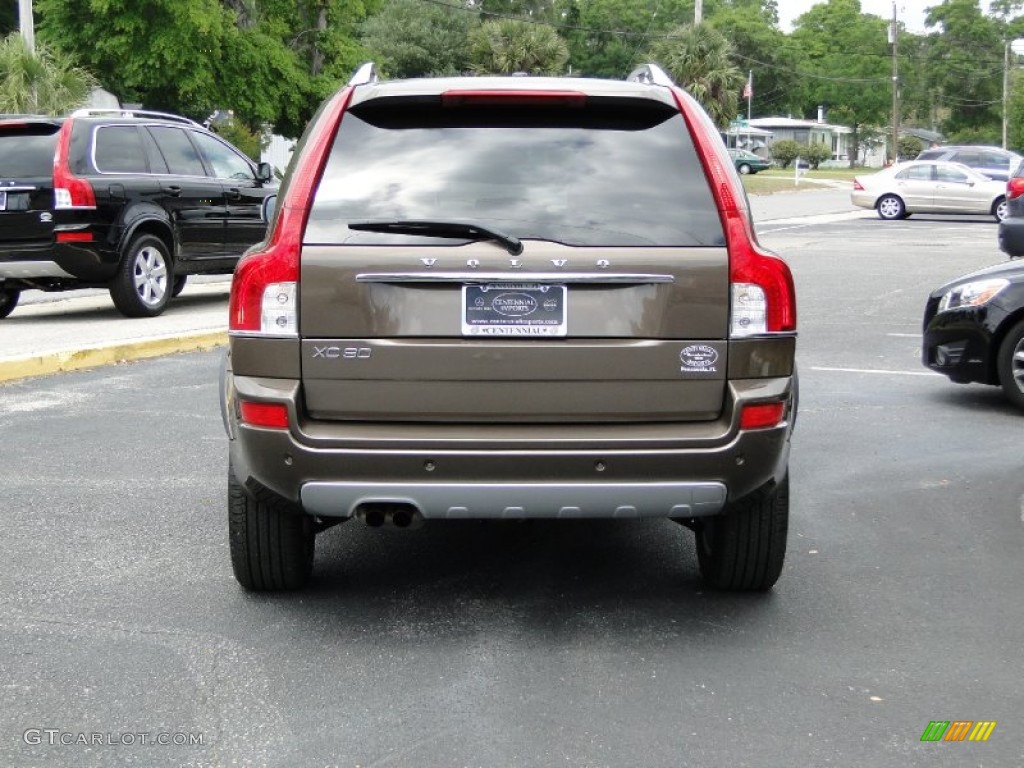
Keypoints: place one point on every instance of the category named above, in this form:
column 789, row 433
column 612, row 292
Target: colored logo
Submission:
column 958, row 730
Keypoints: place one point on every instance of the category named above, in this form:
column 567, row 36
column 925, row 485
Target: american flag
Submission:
column 748, row 90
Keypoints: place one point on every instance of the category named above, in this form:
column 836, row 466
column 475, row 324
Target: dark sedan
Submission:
column 974, row 329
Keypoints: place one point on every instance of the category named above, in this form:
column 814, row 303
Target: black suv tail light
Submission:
column 69, row 191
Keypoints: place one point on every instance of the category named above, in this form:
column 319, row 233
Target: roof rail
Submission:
column 650, row 74
column 90, row 112
column 365, row 75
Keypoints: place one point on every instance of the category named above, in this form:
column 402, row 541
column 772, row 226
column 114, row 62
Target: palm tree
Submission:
column 698, row 58
column 44, row 82
column 506, row 46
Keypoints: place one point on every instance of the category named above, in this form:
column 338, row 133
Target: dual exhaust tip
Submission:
column 391, row 515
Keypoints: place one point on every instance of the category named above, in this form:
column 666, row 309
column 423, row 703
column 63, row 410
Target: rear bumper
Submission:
column 513, row 471
column 1011, row 237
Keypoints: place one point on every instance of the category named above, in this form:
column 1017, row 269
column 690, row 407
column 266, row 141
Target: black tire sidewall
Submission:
column 1004, row 364
column 8, row 300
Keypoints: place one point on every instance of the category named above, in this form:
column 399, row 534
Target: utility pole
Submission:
column 1006, row 86
column 26, row 25
column 894, row 39
column 698, row 12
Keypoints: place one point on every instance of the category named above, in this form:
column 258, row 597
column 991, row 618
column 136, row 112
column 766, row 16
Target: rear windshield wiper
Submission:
column 432, row 228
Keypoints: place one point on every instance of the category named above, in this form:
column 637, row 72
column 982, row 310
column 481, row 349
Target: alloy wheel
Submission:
column 150, row 275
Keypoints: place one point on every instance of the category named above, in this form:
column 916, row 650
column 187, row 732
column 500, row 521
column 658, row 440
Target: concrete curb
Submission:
column 78, row 359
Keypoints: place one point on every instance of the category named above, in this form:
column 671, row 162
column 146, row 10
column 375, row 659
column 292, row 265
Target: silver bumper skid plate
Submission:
column 510, row 501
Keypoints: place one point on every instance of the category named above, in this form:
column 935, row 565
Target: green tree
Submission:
column 816, row 153
column 698, row 58
column 760, row 47
column 909, row 147
column 410, row 38
column 965, row 67
column 44, row 82
column 506, row 46
column 846, row 65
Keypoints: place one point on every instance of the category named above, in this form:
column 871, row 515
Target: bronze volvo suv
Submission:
column 510, row 298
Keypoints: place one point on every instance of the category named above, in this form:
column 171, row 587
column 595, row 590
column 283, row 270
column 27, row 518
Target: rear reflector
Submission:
column 514, row 98
column 761, row 415
column 74, row 237
column 273, row 415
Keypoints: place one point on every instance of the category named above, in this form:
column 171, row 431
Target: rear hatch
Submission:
column 532, row 258
column 27, row 148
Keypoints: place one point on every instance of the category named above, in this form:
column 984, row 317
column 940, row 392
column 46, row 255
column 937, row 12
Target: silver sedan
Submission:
column 929, row 187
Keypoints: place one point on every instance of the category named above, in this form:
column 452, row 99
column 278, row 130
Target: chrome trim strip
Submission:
column 30, row 269
column 19, row 188
column 501, row 501
column 559, row 278
column 261, row 335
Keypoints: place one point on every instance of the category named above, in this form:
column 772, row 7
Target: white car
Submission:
column 929, row 186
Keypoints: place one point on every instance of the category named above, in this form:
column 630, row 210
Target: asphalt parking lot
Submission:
column 547, row 643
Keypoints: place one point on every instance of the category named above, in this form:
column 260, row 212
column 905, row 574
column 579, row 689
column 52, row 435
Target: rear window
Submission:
column 612, row 173
column 26, row 151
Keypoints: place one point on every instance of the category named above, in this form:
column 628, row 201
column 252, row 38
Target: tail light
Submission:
column 857, row 186
column 264, row 291
column 69, row 191
column 763, row 294
column 1015, row 188
column 514, row 98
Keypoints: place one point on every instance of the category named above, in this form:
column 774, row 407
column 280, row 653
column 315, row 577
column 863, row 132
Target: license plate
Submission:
column 513, row 309
column 3, row 201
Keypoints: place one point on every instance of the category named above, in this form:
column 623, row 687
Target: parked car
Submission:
column 994, row 162
column 747, row 162
column 510, row 297
column 1011, row 228
column 974, row 329
column 929, row 187
column 127, row 200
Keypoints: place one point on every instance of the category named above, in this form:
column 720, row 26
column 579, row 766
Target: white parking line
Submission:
column 873, row 370
column 905, row 335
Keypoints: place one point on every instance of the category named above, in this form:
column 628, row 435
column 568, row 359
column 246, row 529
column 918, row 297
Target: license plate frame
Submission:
column 515, row 310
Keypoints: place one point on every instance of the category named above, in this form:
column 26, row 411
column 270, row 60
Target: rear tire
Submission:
column 142, row 285
column 8, row 300
column 1010, row 364
column 891, row 208
column 1001, row 209
column 743, row 549
column 272, row 542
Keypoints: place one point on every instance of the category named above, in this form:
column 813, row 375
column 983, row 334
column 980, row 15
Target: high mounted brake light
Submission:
column 264, row 295
column 69, row 191
column 763, row 294
column 518, row 98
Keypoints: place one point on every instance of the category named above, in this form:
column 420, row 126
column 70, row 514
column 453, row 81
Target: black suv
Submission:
column 510, row 298
column 126, row 200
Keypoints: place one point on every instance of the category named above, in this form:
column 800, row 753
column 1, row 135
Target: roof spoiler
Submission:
column 650, row 74
column 365, row 75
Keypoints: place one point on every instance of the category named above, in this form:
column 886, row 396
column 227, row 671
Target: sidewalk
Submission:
column 69, row 331
column 52, row 333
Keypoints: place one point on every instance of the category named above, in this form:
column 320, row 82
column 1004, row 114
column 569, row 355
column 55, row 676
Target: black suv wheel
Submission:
column 143, row 284
column 8, row 300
